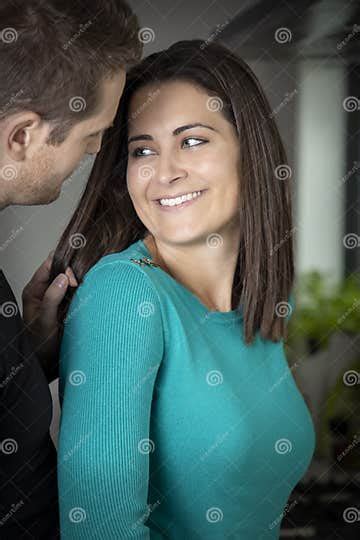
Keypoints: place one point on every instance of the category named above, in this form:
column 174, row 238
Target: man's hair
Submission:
column 55, row 53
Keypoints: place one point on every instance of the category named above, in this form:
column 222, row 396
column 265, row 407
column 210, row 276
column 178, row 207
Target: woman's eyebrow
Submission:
column 175, row 132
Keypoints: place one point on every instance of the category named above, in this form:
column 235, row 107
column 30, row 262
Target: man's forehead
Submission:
column 109, row 95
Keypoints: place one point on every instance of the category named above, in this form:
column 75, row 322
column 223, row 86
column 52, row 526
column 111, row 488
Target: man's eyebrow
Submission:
column 108, row 126
column 176, row 131
column 104, row 128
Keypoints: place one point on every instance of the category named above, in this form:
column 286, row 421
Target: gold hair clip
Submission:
column 145, row 260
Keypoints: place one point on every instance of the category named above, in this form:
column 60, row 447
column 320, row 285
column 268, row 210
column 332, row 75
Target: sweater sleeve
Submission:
column 111, row 351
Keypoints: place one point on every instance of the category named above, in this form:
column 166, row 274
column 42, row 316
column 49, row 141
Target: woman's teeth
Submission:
column 180, row 200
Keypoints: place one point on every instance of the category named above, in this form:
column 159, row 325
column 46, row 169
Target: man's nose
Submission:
column 95, row 147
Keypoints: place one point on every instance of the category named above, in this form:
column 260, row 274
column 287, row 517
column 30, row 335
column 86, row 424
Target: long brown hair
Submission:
column 105, row 219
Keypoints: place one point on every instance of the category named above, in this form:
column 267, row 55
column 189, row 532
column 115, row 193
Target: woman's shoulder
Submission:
column 130, row 266
column 115, row 285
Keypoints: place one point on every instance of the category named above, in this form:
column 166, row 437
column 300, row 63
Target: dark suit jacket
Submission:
column 28, row 479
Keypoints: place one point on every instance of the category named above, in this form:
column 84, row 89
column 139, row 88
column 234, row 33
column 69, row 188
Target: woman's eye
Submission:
column 189, row 142
column 138, row 152
column 191, row 139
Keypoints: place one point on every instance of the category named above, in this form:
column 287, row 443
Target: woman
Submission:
column 180, row 416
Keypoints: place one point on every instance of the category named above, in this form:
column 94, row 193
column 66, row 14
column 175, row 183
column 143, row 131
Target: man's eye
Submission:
column 197, row 141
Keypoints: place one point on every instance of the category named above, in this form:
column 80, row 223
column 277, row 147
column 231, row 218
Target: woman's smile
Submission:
column 174, row 207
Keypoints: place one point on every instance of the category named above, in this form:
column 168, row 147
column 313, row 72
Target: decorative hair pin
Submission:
column 144, row 260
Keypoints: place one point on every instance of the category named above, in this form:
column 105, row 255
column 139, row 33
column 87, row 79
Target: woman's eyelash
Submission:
column 195, row 139
column 135, row 153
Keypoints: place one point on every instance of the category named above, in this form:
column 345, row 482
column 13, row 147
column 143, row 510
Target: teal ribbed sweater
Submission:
column 171, row 426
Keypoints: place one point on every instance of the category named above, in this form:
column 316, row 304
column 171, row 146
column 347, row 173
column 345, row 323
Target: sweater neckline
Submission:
column 212, row 315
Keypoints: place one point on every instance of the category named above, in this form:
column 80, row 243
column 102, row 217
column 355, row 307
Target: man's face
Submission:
column 32, row 172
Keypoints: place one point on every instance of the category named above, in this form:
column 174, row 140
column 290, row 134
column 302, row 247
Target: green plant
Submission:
column 322, row 309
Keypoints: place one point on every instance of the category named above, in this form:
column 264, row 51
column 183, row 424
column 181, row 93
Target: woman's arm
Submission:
column 111, row 351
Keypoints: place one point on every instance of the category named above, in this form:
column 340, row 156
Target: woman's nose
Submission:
column 169, row 169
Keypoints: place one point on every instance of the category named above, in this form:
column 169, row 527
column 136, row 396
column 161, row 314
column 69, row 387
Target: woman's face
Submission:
column 168, row 158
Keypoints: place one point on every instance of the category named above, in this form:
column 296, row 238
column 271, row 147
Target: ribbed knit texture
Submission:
column 171, row 426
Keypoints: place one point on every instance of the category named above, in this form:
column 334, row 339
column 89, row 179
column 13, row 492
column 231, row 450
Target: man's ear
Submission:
column 23, row 132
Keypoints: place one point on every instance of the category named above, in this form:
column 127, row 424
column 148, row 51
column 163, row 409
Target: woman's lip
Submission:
column 157, row 201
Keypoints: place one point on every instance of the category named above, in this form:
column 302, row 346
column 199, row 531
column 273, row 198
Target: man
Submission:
column 63, row 67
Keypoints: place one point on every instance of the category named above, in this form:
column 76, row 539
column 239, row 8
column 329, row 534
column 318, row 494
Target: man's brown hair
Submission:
column 54, row 54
